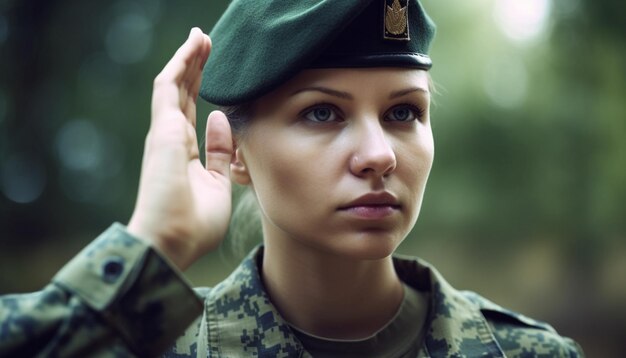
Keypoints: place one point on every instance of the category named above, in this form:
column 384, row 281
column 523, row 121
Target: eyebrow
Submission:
column 406, row 91
column 329, row 91
column 346, row 95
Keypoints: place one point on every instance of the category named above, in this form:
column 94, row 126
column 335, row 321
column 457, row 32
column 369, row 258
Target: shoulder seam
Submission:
column 485, row 305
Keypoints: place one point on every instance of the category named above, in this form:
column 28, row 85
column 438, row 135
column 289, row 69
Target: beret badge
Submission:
column 396, row 20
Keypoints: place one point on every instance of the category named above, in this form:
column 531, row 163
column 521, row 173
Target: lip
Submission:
column 373, row 199
column 372, row 206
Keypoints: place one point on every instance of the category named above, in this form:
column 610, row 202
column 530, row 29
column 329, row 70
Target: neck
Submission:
column 328, row 295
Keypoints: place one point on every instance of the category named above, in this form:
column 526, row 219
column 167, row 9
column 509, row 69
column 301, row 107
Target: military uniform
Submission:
column 120, row 298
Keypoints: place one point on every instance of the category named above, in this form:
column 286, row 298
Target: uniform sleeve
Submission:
column 118, row 297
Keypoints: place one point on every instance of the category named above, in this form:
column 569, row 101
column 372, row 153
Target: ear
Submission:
column 238, row 169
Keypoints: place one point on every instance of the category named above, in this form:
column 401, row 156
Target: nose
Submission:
column 373, row 154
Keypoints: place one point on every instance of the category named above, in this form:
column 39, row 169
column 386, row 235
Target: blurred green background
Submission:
column 526, row 200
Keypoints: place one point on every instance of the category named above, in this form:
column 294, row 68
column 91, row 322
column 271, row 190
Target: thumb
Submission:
column 219, row 144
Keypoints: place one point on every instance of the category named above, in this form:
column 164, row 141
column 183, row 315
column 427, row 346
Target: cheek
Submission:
column 415, row 159
column 427, row 146
column 416, row 155
column 287, row 178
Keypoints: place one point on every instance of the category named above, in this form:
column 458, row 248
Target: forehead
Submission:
column 357, row 79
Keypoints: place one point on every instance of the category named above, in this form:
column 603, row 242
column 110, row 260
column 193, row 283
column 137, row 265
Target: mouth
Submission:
column 381, row 199
column 373, row 206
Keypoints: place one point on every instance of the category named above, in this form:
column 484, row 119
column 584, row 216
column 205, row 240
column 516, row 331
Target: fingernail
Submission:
column 195, row 28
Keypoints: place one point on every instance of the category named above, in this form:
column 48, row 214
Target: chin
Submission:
column 367, row 245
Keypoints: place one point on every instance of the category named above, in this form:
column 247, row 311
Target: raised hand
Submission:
column 183, row 208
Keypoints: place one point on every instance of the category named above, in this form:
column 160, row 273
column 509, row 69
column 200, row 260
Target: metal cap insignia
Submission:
column 396, row 20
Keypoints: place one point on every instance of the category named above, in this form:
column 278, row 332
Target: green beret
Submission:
column 258, row 45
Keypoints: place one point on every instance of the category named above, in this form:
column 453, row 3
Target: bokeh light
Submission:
column 79, row 145
column 23, row 178
column 90, row 157
column 522, row 20
column 506, row 81
column 129, row 38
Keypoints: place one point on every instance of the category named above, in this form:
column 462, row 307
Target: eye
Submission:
column 321, row 114
column 404, row 113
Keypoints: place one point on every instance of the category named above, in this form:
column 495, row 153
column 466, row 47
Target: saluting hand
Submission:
column 183, row 208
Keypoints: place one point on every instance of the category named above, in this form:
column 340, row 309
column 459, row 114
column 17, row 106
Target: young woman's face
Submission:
column 339, row 158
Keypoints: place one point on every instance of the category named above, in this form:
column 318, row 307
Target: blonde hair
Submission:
column 245, row 230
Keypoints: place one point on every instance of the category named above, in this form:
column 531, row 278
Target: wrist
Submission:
column 173, row 247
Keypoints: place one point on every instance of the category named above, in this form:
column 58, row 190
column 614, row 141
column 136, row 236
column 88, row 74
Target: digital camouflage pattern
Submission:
column 119, row 298
column 240, row 321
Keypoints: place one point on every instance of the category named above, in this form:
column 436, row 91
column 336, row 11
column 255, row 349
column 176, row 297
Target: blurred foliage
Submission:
column 525, row 204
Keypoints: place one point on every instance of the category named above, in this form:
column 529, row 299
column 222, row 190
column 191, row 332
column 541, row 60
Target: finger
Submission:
column 190, row 87
column 179, row 79
column 186, row 57
column 219, row 144
column 196, row 78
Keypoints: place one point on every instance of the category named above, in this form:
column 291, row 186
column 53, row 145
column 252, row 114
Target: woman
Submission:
column 329, row 108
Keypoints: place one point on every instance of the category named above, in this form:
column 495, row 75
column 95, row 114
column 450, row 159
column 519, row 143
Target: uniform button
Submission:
column 112, row 269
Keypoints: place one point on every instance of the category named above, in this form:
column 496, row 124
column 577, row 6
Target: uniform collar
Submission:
column 241, row 320
column 455, row 326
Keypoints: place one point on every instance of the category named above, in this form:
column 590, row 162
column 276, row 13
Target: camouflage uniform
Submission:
column 119, row 298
